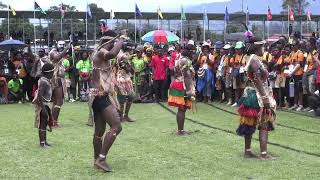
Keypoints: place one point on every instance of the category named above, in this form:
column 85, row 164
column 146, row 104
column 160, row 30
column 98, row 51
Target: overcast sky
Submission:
column 117, row 5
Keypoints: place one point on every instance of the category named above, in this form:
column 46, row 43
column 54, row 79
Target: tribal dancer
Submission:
column 257, row 104
column 182, row 89
column 41, row 101
column 104, row 103
column 56, row 56
column 124, row 84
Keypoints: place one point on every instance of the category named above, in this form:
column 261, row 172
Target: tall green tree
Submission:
column 298, row 6
column 2, row 5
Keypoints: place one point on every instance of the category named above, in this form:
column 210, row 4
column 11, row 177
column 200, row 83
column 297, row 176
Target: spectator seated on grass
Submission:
column 314, row 103
column 15, row 89
column 3, row 91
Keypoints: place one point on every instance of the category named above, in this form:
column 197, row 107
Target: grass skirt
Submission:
column 177, row 95
column 251, row 115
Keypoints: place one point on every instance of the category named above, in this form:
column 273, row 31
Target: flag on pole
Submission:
column 205, row 15
column 269, row 15
column 138, row 12
column 160, row 13
column 12, row 10
column 62, row 10
column 291, row 15
column 226, row 16
column 37, row 7
column 309, row 15
column 112, row 16
column 89, row 11
column 183, row 15
column 247, row 16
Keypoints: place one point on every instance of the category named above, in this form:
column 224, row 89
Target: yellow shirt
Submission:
column 297, row 58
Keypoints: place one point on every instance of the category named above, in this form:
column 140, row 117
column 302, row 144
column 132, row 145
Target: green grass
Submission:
column 148, row 148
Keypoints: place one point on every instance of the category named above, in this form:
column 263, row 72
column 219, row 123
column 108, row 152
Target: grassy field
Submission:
column 148, row 148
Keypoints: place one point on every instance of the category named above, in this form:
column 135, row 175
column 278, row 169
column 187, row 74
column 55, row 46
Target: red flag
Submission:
column 269, row 15
column 103, row 27
column 291, row 15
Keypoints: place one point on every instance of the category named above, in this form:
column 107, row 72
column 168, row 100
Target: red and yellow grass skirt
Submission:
column 177, row 96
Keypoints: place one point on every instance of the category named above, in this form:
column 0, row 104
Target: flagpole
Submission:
column 268, row 27
column 181, row 38
column 87, row 25
column 34, row 29
column 225, row 26
column 204, row 25
column 48, row 35
column 61, row 33
column 140, row 30
column 288, row 22
column 135, row 24
column 9, row 21
column 158, row 21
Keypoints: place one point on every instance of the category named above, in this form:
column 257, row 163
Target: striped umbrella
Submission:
column 160, row 36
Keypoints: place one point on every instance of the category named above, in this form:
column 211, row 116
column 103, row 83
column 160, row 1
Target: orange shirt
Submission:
column 239, row 60
column 310, row 62
column 228, row 61
column 201, row 60
column 19, row 66
column 297, row 58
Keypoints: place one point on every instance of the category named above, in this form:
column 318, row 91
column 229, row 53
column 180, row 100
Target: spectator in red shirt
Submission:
column 174, row 56
column 159, row 64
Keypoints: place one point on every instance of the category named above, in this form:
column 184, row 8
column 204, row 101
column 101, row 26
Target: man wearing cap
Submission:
column 56, row 57
column 104, row 101
column 238, row 76
column 220, row 57
column 41, row 101
column 139, row 65
column 228, row 58
column 205, row 82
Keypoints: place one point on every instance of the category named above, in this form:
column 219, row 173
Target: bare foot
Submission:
column 266, row 157
column 183, row 133
column 126, row 118
column 102, row 164
column 249, row 154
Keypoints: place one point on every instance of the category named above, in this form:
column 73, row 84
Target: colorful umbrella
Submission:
column 160, row 36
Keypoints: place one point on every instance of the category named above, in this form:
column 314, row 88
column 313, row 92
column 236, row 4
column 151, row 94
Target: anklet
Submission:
column 248, row 150
column 102, row 156
column 264, row 153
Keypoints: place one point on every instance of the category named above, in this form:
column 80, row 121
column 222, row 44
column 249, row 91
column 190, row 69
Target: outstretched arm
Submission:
column 107, row 55
column 56, row 56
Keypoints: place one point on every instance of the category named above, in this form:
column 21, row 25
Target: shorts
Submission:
column 100, row 103
column 122, row 98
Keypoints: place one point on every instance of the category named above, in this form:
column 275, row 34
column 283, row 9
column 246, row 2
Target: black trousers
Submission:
column 159, row 89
